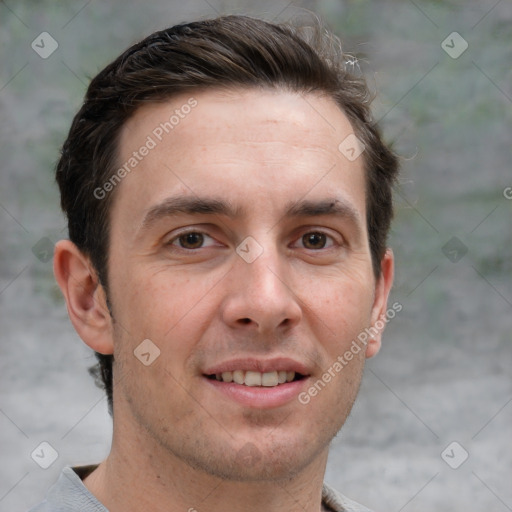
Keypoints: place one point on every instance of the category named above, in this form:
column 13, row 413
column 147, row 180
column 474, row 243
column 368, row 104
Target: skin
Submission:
column 178, row 442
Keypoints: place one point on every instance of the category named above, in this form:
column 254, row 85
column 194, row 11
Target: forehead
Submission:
column 251, row 116
column 259, row 149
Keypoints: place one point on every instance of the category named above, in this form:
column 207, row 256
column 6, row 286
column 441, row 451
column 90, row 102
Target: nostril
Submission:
column 245, row 320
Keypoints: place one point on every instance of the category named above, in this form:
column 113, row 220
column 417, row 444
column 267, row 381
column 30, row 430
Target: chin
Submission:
column 253, row 463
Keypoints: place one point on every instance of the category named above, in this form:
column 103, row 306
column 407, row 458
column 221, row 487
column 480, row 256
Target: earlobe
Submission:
column 85, row 297
column 379, row 309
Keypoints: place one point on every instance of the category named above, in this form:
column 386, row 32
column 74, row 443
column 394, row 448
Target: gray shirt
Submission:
column 69, row 494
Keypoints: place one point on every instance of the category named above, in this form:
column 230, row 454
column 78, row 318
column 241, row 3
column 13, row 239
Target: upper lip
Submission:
column 259, row 365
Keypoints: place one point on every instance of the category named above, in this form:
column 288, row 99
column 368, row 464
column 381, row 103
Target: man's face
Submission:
column 184, row 274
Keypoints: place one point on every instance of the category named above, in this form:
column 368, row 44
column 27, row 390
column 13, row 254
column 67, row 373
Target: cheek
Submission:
column 167, row 307
column 343, row 304
column 158, row 301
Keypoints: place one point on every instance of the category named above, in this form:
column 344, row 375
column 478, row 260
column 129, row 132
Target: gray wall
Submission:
column 443, row 374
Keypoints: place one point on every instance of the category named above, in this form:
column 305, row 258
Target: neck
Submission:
column 133, row 478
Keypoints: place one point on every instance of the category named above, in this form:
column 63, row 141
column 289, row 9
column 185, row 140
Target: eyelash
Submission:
column 176, row 238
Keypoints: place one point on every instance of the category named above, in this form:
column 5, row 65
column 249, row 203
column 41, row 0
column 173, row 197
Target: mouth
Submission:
column 258, row 383
column 257, row 379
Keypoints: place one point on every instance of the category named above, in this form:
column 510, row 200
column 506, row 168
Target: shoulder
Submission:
column 69, row 494
column 337, row 502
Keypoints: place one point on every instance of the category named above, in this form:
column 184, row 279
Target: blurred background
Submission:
column 431, row 429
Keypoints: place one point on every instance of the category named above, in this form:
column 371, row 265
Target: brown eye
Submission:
column 314, row 240
column 191, row 240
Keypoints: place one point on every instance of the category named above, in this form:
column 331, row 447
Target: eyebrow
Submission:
column 333, row 206
column 188, row 206
column 212, row 206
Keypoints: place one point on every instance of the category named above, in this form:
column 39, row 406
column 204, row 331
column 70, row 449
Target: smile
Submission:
column 254, row 378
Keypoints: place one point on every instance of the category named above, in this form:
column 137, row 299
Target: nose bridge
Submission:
column 260, row 293
column 265, row 277
column 263, row 284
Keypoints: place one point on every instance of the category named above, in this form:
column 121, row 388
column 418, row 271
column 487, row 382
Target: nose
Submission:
column 260, row 296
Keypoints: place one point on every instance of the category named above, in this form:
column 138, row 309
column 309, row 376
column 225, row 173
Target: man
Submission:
column 228, row 199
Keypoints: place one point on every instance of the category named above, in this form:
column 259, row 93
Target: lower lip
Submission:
column 259, row 396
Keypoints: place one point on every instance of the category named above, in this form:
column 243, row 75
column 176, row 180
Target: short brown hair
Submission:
column 229, row 51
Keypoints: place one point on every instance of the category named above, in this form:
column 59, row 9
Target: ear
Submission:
column 379, row 308
column 85, row 297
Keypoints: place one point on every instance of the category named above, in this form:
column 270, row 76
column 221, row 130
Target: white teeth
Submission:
column 269, row 379
column 227, row 376
column 238, row 376
column 252, row 378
